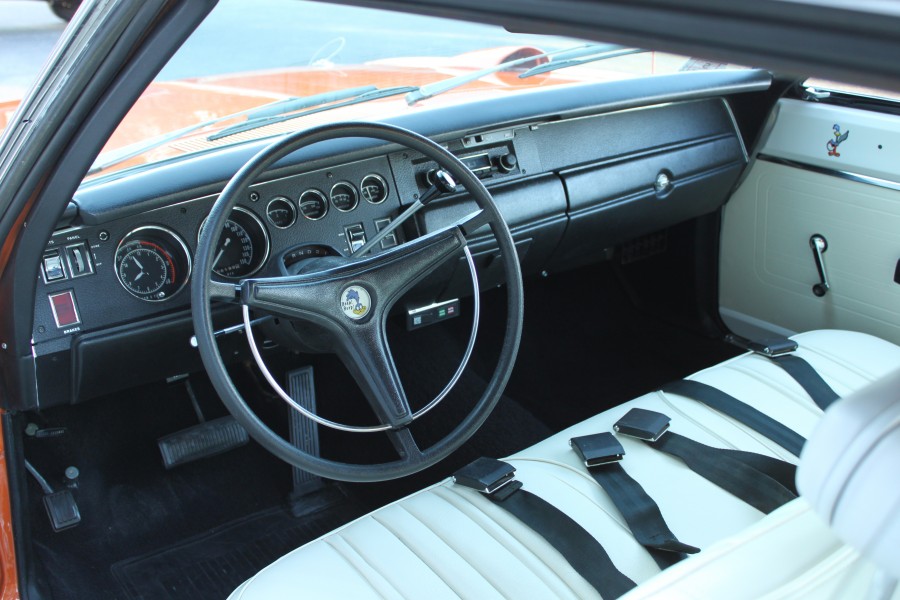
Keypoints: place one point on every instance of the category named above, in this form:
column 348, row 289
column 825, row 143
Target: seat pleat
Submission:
column 401, row 566
column 533, row 566
column 460, row 573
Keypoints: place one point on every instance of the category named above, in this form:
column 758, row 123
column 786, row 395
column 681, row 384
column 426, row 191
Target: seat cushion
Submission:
column 449, row 542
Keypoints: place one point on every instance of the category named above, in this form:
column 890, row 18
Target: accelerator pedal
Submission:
column 200, row 441
column 304, row 433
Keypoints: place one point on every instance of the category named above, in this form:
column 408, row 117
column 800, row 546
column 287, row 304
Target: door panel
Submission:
column 796, row 189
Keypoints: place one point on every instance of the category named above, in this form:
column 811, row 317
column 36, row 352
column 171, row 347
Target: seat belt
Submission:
column 779, row 351
column 495, row 480
column 763, row 424
column 808, row 378
column 601, row 454
column 763, row 482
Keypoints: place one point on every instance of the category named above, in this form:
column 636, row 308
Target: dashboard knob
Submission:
column 508, row 162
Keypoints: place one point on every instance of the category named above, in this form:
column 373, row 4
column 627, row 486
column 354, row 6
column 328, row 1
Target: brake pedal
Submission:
column 304, row 433
column 201, row 441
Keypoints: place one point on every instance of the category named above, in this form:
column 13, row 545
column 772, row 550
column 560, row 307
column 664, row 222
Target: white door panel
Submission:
column 767, row 267
column 802, row 131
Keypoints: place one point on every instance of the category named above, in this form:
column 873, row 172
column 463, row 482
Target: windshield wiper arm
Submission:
column 439, row 87
column 277, row 107
column 373, row 94
column 572, row 62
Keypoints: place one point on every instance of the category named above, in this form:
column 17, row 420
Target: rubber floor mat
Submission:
column 212, row 565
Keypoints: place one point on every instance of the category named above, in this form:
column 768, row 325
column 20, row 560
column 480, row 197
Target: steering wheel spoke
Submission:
column 294, row 297
column 365, row 352
column 405, row 445
column 474, row 223
column 325, row 295
column 223, row 292
column 402, row 267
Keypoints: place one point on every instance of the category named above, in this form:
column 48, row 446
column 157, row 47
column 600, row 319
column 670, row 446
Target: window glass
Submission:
column 259, row 68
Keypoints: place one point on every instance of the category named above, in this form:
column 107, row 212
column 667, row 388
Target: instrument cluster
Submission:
column 153, row 263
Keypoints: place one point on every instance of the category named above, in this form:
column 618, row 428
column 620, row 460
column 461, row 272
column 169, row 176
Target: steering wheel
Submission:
column 349, row 298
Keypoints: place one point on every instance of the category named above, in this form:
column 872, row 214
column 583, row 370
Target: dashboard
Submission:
column 574, row 172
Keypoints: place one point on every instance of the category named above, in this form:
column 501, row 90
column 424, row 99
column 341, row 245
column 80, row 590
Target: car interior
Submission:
column 562, row 257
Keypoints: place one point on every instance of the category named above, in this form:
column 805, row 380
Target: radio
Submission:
column 485, row 163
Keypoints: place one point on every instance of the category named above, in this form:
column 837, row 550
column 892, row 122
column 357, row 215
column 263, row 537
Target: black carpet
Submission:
column 586, row 347
column 213, row 564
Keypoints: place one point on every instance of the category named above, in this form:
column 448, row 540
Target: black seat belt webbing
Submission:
column 804, row 374
column 577, row 546
column 762, row 481
column 778, row 350
column 726, row 469
column 494, row 479
column 763, row 424
column 599, row 453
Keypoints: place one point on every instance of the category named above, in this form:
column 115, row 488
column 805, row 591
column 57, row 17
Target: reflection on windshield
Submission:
column 296, row 60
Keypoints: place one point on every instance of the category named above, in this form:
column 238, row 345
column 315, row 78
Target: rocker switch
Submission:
column 356, row 236
column 53, row 267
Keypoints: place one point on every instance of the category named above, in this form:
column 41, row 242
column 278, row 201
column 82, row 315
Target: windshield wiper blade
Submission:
column 367, row 96
column 573, row 62
column 277, row 107
column 300, row 102
column 439, row 87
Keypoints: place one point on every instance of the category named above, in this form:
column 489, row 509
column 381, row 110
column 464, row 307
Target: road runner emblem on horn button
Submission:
column 356, row 302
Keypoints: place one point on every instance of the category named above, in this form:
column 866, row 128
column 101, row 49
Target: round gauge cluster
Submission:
column 313, row 203
column 344, row 196
column 281, row 212
column 152, row 263
column 243, row 245
column 374, row 188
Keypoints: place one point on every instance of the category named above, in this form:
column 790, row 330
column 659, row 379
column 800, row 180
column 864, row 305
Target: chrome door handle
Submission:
column 819, row 245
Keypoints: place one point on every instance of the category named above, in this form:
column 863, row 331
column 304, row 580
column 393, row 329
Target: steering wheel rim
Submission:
column 204, row 289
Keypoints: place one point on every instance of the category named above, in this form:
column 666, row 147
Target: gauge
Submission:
column 152, row 263
column 281, row 212
column 243, row 246
column 313, row 205
column 374, row 188
column 344, row 197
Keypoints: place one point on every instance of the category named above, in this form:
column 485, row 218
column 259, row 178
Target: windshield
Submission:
column 257, row 69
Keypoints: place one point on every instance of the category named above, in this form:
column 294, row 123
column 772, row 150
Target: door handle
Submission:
column 819, row 245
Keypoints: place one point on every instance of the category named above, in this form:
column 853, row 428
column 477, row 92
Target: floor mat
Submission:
column 212, row 565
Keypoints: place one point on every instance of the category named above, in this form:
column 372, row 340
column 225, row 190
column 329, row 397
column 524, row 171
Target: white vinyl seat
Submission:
column 449, row 542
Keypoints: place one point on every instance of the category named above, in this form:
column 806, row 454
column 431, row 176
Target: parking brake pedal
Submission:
column 60, row 505
column 200, row 441
column 304, row 433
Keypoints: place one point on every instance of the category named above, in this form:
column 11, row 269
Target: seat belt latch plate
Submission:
column 597, row 449
column 769, row 347
column 486, row 475
column 643, row 424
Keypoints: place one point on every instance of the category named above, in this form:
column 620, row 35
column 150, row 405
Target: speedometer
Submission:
column 243, row 246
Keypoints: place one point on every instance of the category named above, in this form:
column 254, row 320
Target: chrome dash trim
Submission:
column 849, row 176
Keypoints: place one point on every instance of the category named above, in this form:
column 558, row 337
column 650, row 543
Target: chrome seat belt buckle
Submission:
column 488, row 476
column 770, row 347
column 643, row 424
column 597, row 449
